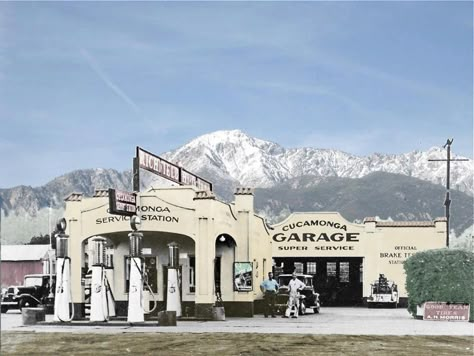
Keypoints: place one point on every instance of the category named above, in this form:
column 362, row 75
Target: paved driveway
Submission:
column 348, row 321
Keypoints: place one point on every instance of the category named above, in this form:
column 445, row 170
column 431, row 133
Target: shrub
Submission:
column 440, row 276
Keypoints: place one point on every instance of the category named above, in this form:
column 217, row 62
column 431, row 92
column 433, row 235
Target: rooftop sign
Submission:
column 168, row 170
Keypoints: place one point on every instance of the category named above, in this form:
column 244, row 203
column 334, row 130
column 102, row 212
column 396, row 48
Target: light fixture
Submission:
column 135, row 222
column 61, row 225
column 222, row 238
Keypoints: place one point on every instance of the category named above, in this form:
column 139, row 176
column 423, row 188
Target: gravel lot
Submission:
column 347, row 321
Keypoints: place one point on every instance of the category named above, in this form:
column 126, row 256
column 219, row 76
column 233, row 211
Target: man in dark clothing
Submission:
column 269, row 287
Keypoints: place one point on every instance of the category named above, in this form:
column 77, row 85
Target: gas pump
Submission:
column 63, row 296
column 109, row 281
column 173, row 299
column 99, row 302
column 135, row 292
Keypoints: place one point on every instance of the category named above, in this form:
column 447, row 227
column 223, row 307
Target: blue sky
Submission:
column 83, row 83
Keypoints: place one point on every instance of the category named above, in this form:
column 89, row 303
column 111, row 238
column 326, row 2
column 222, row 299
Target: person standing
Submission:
column 294, row 287
column 270, row 288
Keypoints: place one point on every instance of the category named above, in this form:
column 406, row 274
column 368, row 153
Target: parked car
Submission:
column 36, row 290
column 309, row 299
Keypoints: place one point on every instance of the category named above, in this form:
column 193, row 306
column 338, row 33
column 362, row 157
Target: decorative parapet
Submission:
column 441, row 224
column 101, row 193
column 379, row 223
column 74, row 197
column 204, row 194
column 243, row 191
column 244, row 199
column 405, row 224
column 370, row 224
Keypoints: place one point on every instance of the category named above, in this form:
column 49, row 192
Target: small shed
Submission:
column 20, row 260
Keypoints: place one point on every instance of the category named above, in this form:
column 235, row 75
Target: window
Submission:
column 192, row 275
column 344, row 272
column 277, row 270
column 311, row 267
column 298, row 267
column 331, row 269
column 283, row 281
column 109, row 260
column 33, row 281
column 151, row 274
column 148, row 268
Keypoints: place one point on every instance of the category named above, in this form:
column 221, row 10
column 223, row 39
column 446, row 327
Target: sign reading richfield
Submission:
column 122, row 203
column 446, row 311
column 168, row 170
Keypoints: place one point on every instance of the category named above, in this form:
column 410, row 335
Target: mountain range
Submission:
column 399, row 187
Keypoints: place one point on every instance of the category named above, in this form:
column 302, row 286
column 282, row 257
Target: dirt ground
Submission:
column 221, row 344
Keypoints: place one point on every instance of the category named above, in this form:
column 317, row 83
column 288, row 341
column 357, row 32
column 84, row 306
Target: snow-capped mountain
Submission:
column 252, row 162
column 232, row 158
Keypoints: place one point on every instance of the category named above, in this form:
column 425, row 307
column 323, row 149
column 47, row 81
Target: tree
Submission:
column 443, row 275
column 39, row 240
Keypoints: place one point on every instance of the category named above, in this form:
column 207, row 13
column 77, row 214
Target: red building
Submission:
column 20, row 260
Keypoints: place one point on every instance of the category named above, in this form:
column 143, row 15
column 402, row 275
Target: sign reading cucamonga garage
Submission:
column 315, row 233
column 122, row 203
column 168, row 170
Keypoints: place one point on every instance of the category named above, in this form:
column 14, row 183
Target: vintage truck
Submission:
column 383, row 293
column 36, row 290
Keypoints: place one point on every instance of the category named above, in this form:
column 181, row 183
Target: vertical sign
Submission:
column 136, row 174
column 122, row 203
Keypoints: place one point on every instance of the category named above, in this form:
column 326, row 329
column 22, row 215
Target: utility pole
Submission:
column 1, row 204
column 50, row 253
column 447, row 201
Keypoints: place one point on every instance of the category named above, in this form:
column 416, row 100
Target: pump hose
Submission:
column 103, row 278
column 70, row 293
column 155, row 302
column 107, row 290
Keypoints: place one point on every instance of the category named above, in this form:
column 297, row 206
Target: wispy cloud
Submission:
column 91, row 61
column 160, row 127
column 309, row 89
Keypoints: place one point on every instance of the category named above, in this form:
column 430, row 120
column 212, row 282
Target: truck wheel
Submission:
column 4, row 309
column 316, row 310
column 24, row 304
